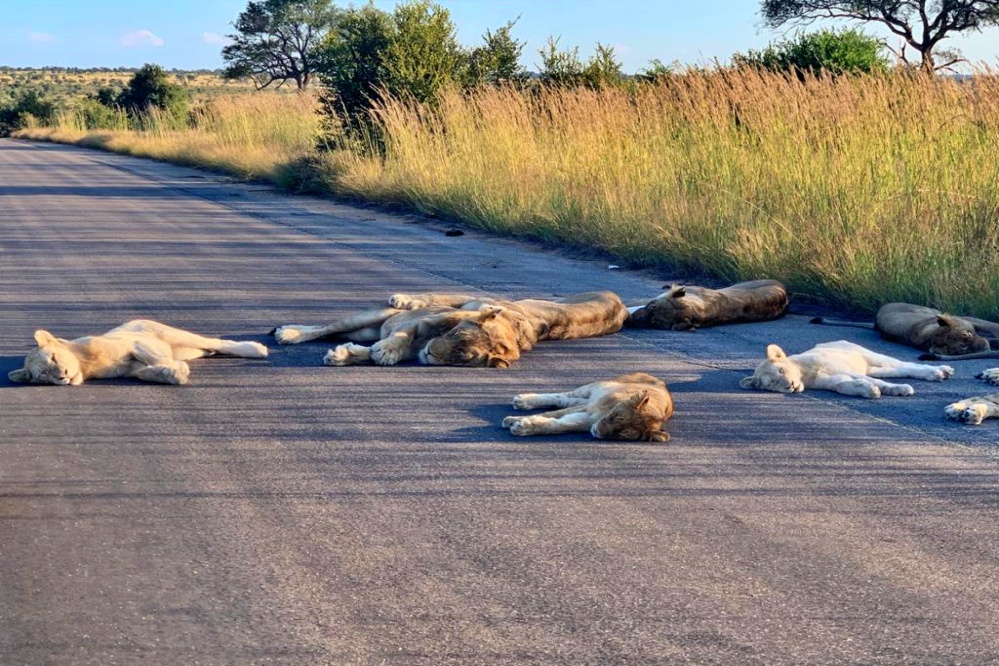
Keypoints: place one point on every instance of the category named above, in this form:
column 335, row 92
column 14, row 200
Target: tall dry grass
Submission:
column 863, row 189
column 248, row 135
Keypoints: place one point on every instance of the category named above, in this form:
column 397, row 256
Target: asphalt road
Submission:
column 280, row 512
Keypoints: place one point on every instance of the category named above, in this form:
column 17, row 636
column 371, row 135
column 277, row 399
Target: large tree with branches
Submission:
column 274, row 40
column 921, row 24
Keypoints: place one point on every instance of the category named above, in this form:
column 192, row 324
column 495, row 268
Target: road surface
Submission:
column 279, row 512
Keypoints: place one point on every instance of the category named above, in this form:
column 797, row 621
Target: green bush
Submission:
column 837, row 52
column 28, row 105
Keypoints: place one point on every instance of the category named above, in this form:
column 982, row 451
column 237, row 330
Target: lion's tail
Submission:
column 842, row 322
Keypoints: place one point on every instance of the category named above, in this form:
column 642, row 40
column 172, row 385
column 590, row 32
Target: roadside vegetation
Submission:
column 813, row 161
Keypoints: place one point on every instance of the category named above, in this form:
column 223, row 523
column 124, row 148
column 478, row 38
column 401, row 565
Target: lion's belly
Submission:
column 834, row 362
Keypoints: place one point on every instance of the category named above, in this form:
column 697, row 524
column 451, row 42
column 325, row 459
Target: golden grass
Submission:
column 863, row 189
column 250, row 135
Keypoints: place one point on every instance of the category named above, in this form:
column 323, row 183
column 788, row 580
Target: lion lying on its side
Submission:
column 840, row 366
column 946, row 337
column 140, row 348
column 629, row 407
column 685, row 308
column 461, row 329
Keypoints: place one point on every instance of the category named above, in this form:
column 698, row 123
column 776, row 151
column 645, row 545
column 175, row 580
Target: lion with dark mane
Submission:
column 461, row 329
column 685, row 308
column 945, row 337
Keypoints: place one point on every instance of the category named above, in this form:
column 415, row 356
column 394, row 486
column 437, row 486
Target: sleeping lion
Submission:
column 945, row 337
column 841, row 366
column 685, row 308
column 628, row 407
column 461, row 329
column 143, row 349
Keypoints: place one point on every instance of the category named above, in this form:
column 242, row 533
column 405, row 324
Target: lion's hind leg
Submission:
column 930, row 373
column 848, row 384
column 973, row 411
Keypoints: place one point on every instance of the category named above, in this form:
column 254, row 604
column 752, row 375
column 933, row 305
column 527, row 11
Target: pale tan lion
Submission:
column 684, row 308
column 628, row 407
column 140, row 348
column 841, row 366
column 461, row 329
column 945, row 337
column 975, row 410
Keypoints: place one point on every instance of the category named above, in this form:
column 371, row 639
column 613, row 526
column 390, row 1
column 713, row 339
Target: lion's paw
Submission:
column 181, row 373
column 941, row 373
column 257, row 350
column 509, row 421
column 288, row 335
column 523, row 427
column 523, row 401
column 903, row 390
column 383, row 353
column 954, row 410
column 974, row 414
column 991, row 376
column 338, row 356
column 406, row 302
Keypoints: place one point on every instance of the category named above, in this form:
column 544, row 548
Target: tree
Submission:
column 424, row 55
column 351, row 60
column 274, row 41
column 497, row 61
column 150, row 87
column 412, row 52
column 564, row 68
column 922, row 24
column 830, row 50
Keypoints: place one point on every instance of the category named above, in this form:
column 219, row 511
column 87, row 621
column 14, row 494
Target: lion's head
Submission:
column 668, row 311
column 634, row 419
column 485, row 341
column 955, row 338
column 777, row 373
column 51, row 363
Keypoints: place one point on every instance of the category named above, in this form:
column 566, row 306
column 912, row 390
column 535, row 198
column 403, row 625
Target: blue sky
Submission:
column 186, row 34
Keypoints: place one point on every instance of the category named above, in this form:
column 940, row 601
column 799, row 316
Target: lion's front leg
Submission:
column 293, row 334
column 991, row 376
column 540, row 400
column 416, row 301
column 974, row 410
column 348, row 354
column 155, row 363
column 395, row 348
column 177, row 373
column 573, row 419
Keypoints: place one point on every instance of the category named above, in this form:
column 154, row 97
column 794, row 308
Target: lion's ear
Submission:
column 487, row 312
column 944, row 320
column 45, row 339
column 19, row 376
column 775, row 353
column 748, row 382
column 677, row 291
column 639, row 399
column 497, row 362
